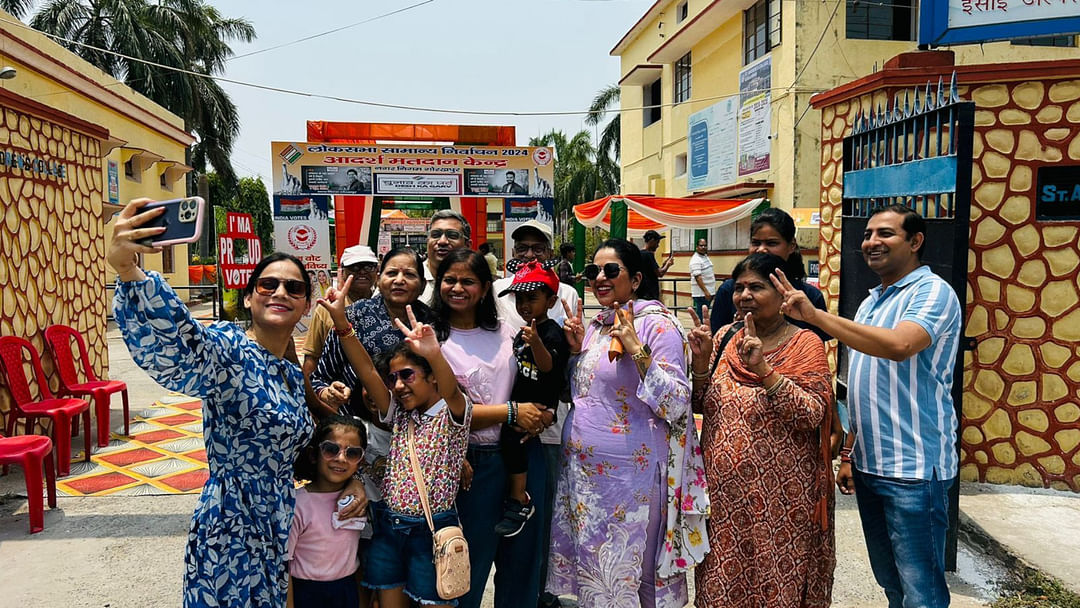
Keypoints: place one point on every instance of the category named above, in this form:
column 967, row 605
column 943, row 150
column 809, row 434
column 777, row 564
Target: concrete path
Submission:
column 128, row 551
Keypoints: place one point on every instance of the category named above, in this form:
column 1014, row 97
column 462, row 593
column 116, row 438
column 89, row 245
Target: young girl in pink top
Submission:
column 322, row 552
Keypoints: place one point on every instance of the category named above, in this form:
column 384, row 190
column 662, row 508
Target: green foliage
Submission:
column 249, row 195
column 1037, row 590
column 606, row 99
column 184, row 34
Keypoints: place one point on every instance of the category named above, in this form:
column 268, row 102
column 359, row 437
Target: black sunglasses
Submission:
column 407, row 375
column 362, row 267
column 611, row 270
column 267, row 286
column 330, row 450
column 451, row 235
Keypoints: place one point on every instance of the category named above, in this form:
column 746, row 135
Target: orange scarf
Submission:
column 795, row 361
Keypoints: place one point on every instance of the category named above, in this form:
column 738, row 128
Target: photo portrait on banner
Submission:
column 302, row 228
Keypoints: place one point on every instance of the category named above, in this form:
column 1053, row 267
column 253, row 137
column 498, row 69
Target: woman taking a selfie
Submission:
column 255, row 417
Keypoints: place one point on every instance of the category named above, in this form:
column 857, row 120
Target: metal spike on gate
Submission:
column 907, row 103
column 916, row 106
column 940, row 92
column 954, row 93
column 928, row 98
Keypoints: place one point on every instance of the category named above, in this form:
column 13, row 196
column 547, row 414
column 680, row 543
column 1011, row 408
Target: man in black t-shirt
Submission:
column 651, row 271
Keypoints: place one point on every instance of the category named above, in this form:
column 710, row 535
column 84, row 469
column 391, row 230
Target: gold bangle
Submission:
column 772, row 390
column 698, row 375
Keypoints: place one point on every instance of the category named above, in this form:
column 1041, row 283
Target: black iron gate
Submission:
column 916, row 151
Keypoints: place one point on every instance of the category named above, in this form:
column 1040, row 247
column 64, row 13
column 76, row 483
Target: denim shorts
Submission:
column 400, row 554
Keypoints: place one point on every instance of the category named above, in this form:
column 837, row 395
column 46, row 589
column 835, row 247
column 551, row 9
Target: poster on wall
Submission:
column 432, row 170
column 712, row 134
column 520, row 210
column 755, row 116
column 302, row 228
column 114, row 182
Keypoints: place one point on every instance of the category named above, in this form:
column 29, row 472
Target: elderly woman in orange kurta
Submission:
column 764, row 399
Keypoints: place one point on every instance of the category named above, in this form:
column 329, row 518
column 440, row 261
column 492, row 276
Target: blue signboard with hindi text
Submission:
column 946, row 22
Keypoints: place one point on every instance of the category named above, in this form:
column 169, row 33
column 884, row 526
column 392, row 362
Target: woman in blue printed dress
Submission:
column 255, row 419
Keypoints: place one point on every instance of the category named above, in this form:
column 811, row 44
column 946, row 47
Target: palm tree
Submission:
column 606, row 99
column 185, row 34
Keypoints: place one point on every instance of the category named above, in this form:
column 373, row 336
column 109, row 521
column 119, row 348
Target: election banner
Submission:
column 711, row 149
column 416, row 170
column 302, row 228
column 755, row 116
column 520, row 210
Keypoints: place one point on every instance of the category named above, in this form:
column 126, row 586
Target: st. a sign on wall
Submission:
column 1057, row 194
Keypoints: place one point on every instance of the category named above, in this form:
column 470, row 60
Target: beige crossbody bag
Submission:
column 452, row 571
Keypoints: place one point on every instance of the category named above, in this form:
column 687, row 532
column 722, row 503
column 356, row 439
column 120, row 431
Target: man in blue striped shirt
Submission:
column 903, row 345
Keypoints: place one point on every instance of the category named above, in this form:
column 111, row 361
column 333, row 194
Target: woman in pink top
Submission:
column 480, row 350
column 322, row 551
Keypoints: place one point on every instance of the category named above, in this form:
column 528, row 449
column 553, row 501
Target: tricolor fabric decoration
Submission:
column 657, row 213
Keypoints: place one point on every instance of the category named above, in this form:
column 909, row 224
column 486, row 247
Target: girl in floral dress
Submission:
column 631, row 500
column 255, row 419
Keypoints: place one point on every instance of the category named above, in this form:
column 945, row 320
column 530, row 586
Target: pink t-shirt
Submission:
column 316, row 551
column 484, row 364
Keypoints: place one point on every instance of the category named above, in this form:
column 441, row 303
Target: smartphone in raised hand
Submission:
column 183, row 221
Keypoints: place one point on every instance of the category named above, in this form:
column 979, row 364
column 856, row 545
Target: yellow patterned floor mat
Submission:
column 163, row 455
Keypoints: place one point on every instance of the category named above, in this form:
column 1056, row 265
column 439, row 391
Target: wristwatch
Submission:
column 643, row 353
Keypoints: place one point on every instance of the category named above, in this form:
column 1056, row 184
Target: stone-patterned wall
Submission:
column 1021, row 412
column 52, row 269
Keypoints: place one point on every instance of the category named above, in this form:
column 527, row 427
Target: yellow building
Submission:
column 65, row 124
column 687, row 55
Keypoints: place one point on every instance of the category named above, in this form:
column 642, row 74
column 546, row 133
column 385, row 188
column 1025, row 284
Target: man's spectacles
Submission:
column 537, row 249
column 364, row 267
column 451, row 235
column 267, row 286
column 330, row 450
column 611, row 270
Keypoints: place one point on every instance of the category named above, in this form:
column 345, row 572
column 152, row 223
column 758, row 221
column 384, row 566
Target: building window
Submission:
column 682, row 79
column 682, row 11
column 680, row 165
column 130, row 171
column 893, row 20
column 761, row 29
column 167, row 259
column 165, row 185
column 1062, row 41
column 651, row 101
column 732, row 237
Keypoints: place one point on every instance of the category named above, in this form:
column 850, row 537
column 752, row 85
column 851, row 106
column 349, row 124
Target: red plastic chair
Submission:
column 61, row 411
column 59, row 338
column 31, row 452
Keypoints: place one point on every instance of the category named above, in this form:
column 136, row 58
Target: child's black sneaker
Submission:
column 515, row 514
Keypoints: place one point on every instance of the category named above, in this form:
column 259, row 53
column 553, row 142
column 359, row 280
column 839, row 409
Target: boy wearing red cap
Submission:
column 542, row 353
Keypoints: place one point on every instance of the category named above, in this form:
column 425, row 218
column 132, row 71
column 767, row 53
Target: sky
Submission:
column 507, row 55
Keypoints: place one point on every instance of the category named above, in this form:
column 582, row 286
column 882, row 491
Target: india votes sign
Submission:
column 943, row 22
column 431, row 170
column 711, row 147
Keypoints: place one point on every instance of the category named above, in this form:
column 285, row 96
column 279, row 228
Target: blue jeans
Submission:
column 700, row 303
column 400, row 554
column 517, row 569
column 904, row 522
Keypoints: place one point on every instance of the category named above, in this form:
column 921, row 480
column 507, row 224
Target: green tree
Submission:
column 606, row 99
column 185, row 34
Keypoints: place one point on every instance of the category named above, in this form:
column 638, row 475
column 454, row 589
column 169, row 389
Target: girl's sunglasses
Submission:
column 330, row 450
column 611, row 270
column 267, row 286
column 406, row 374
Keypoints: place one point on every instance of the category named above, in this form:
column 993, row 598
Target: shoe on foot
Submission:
column 515, row 514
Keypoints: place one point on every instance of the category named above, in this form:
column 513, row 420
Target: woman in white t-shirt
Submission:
column 479, row 348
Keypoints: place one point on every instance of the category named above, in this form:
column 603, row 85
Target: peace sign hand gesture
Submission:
column 796, row 305
column 573, row 327
column 749, row 347
column 700, row 338
column 334, row 303
column 420, row 338
column 624, row 330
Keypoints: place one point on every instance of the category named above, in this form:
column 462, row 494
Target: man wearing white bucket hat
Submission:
column 359, row 262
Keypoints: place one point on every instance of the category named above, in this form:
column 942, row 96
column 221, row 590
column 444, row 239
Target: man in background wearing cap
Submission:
column 532, row 241
column 651, row 271
column 447, row 231
column 359, row 262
